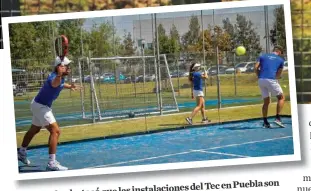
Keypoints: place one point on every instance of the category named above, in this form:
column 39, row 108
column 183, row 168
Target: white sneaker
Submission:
column 279, row 123
column 55, row 166
column 22, row 156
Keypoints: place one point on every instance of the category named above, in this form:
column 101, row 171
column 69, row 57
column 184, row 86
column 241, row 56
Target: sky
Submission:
column 125, row 23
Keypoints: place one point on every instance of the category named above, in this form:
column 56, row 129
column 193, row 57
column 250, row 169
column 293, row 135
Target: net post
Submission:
column 170, row 79
column 94, row 95
column 91, row 90
column 159, row 63
column 155, row 64
column 81, row 91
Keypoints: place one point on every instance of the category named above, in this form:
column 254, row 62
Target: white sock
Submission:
column 23, row 149
column 52, row 157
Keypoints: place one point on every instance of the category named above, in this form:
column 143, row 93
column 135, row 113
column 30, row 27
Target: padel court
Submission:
column 228, row 140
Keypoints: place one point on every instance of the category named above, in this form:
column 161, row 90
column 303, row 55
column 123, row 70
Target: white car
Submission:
column 75, row 79
column 242, row 67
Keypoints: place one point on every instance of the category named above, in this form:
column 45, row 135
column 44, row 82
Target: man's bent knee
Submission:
column 53, row 128
column 281, row 97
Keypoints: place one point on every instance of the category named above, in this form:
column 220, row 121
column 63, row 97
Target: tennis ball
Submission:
column 285, row 86
column 240, row 50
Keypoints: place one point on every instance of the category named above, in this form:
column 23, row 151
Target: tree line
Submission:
column 35, row 41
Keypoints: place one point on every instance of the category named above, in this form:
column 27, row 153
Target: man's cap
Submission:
column 63, row 62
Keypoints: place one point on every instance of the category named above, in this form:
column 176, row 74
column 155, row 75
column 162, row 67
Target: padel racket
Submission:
column 61, row 46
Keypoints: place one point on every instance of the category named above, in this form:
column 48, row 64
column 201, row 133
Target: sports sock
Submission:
column 278, row 117
column 52, row 157
column 23, row 149
column 265, row 120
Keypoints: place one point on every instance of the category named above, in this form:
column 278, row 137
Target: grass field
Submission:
column 70, row 101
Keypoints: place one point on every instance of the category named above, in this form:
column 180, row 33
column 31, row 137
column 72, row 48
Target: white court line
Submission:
column 191, row 151
column 143, row 159
column 220, row 153
column 250, row 142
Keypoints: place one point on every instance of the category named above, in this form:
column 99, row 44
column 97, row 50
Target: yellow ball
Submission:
column 240, row 50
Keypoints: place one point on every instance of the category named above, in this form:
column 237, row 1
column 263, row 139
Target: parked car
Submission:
column 175, row 74
column 242, row 67
column 20, row 88
column 19, row 85
column 213, row 70
column 111, row 78
column 183, row 74
column 75, row 79
column 150, row 78
column 250, row 68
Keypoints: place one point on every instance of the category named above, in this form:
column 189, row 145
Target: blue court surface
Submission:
column 22, row 121
column 230, row 140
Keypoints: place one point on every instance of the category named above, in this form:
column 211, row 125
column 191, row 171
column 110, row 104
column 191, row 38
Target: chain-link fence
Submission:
column 207, row 36
column 301, row 15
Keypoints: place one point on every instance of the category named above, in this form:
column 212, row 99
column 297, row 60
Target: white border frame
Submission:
column 10, row 138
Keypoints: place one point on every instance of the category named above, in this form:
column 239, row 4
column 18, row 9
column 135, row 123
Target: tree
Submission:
column 242, row 33
column 174, row 41
column 214, row 36
column 229, row 29
column 191, row 38
column 100, row 42
column 163, row 40
column 277, row 33
column 21, row 47
column 127, row 47
column 44, row 40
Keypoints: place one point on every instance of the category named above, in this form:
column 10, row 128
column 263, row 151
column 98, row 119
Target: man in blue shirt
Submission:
column 196, row 79
column 42, row 115
column 269, row 68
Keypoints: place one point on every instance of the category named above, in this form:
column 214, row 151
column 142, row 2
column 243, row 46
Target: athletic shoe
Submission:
column 55, row 166
column 205, row 120
column 189, row 120
column 266, row 125
column 22, row 156
column 279, row 123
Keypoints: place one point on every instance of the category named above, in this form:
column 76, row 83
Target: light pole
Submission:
column 142, row 46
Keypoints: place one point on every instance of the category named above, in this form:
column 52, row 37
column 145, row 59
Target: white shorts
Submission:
column 198, row 93
column 42, row 115
column 268, row 87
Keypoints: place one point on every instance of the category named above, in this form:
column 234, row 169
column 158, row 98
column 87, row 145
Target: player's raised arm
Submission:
column 56, row 81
